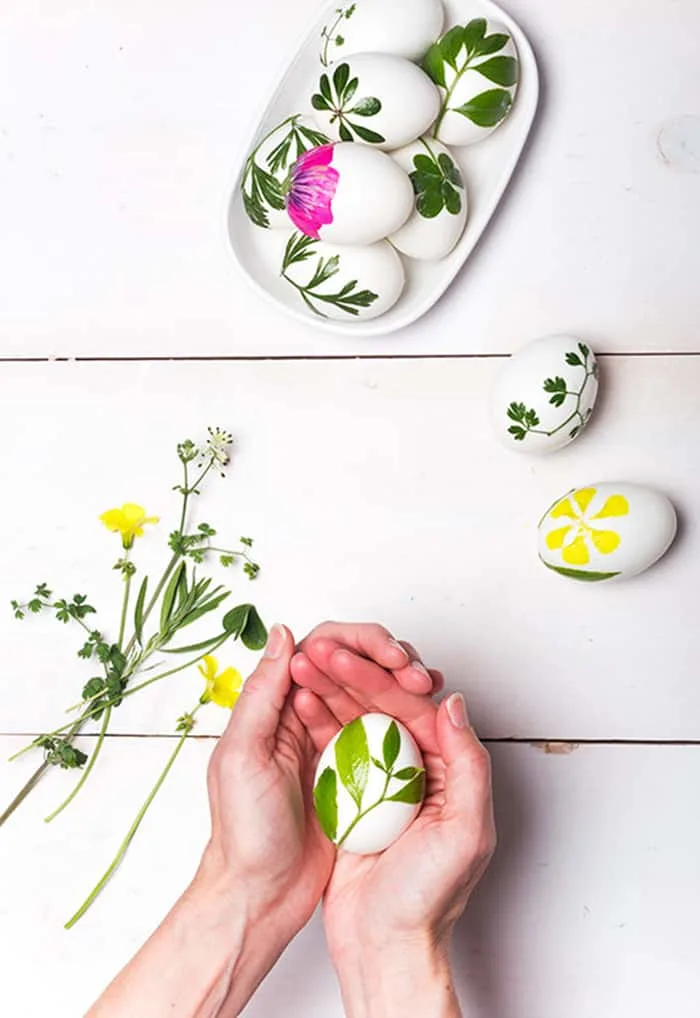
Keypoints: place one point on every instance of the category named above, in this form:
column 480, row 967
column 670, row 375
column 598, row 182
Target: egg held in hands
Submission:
column 348, row 194
column 369, row 785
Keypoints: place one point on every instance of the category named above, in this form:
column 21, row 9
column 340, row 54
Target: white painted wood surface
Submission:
column 120, row 133
column 589, row 909
column 376, row 490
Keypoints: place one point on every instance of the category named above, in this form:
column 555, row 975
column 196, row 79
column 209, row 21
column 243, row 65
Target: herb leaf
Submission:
column 413, row 792
column 352, row 759
column 326, row 802
column 391, row 745
column 488, row 108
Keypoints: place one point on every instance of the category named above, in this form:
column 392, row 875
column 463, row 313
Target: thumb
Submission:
column 467, row 764
column 256, row 715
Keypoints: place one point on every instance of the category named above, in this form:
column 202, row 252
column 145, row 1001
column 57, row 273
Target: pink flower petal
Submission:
column 312, row 188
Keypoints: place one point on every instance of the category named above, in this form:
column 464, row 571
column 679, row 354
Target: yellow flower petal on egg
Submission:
column 556, row 538
column 583, row 498
column 564, row 508
column 576, row 553
column 616, row 505
column 606, row 541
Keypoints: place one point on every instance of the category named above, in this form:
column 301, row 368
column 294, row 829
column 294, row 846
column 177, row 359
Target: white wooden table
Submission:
column 368, row 473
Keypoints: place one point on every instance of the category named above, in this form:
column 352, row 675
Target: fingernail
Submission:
column 418, row 666
column 397, row 646
column 275, row 642
column 457, row 711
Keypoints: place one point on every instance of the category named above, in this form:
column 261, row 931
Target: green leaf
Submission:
column 138, row 610
column 350, row 90
column 491, row 44
column 254, row 634
column 452, row 198
column 167, row 604
column 370, row 136
column 345, row 134
column 430, row 203
column 558, row 399
column 193, row 647
column 234, row 622
column 341, row 76
column 368, row 107
column 426, row 165
column 391, row 745
column 557, row 384
column 319, row 103
column 580, row 574
column 326, row 802
column 352, row 759
column 324, row 87
column 584, row 350
column 574, row 432
column 270, row 188
column 516, row 411
column 450, row 170
column 450, row 45
column 574, row 360
column 407, row 773
column 413, row 792
column 531, row 418
column 379, row 764
column 473, row 35
column 517, row 432
column 434, row 65
column 488, row 108
column 501, row 70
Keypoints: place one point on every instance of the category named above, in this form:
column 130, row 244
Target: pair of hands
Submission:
column 267, row 843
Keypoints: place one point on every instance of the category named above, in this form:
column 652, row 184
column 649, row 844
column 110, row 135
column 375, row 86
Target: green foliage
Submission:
column 437, row 183
column 352, row 759
column 461, row 50
column 326, row 802
column 61, row 753
column 348, row 299
column 557, row 387
column 244, row 623
column 330, row 34
column 527, row 421
column 412, row 792
column 391, row 745
column 580, row 574
column 261, row 188
column 337, row 95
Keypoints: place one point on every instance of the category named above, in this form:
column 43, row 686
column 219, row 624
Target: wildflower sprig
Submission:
column 133, row 655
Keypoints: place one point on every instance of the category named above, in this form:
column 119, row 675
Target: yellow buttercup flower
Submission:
column 222, row 689
column 128, row 521
column 576, row 538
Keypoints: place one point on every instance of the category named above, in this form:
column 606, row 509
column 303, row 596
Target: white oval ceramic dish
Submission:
column 487, row 169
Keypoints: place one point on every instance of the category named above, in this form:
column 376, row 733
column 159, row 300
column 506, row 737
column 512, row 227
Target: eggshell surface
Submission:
column 478, row 75
column 440, row 200
column 545, row 394
column 366, row 194
column 374, row 767
column 323, row 279
column 606, row 531
column 405, row 28
column 375, row 98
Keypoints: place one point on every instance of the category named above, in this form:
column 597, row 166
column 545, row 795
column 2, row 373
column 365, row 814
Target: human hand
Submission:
column 389, row 917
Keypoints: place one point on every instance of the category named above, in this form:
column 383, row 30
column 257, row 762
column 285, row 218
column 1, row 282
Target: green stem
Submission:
column 104, row 879
column 34, row 780
column 328, row 35
column 448, row 95
column 88, row 768
column 251, row 158
column 363, row 813
column 125, row 606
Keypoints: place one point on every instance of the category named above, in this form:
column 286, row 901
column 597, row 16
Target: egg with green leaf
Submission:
column 406, row 28
column 440, row 203
column 369, row 784
column 375, row 98
column 476, row 69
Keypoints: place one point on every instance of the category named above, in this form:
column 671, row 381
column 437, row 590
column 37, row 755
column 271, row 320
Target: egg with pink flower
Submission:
column 348, row 194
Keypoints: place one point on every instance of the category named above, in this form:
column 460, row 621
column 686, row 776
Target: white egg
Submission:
column 348, row 283
column 348, row 194
column 606, row 531
column 545, row 394
column 477, row 69
column 440, row 206
column 403, row 27
column 375, row 98
column 268, row 165
column 369, row 784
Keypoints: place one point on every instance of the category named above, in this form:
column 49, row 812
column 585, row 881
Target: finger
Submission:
column 344, row 706
column 318, row 720
column 257, row 715
column 438, row 680
column 468, row 797
column 376, row 689
column 370, row 639
column 414, row 677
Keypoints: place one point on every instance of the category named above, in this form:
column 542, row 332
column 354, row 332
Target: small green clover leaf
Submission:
column 436, row 182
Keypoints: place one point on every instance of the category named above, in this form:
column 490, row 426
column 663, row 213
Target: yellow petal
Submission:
column 583, row 498
column 556, row 538
column 209, row 667
column 134, row 515
column 606, row 541
column 113, row 519
column 576, row 553
column 616, row 505
column 564, row 508
column 225, row 689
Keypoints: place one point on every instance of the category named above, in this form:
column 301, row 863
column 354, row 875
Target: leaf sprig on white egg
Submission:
column 348, row 299
column 526, row 420
column 336, row 94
